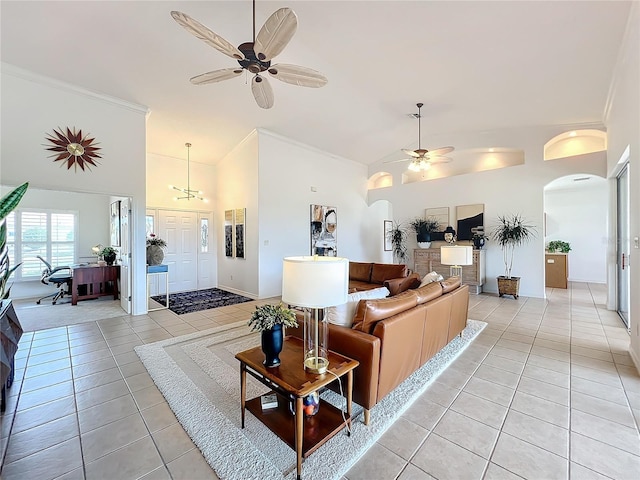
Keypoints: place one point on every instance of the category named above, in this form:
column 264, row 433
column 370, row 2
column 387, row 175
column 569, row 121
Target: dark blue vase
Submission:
column 272, row 346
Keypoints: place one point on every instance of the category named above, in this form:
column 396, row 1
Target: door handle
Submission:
column 623, row 261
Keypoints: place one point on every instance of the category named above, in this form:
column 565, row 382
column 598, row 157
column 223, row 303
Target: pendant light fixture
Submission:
column 188, row 192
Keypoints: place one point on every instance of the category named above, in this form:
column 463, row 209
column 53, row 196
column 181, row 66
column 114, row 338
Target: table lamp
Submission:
column 314, row 283
column 456, row 256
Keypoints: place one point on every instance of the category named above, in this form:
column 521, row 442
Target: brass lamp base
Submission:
column 317, row 365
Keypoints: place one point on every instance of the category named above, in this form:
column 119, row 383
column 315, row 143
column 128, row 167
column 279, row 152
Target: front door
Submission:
column 623, row 245
column 125, row 255
column 180, row 231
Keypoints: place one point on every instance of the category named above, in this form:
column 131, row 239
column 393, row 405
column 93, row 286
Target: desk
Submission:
column 94, row 281
column 158, row 270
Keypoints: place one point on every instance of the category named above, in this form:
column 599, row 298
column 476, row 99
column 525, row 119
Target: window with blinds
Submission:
column 49, row 234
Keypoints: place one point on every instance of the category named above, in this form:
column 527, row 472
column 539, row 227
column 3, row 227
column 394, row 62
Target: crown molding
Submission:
column 23, row 74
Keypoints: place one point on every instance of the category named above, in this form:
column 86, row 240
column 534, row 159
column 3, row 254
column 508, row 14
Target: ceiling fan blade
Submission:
column 297, row 75
column 216, row 76
column 198, row 30
column 275, row 34
column 438, row 159
column 411, row 153
column 262, row 92
column 441, row 151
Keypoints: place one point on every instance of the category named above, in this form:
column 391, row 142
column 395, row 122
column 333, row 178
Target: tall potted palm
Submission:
column 510, row 232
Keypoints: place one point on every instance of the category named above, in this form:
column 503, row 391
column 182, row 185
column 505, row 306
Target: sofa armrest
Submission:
column 399, row 285
column 365, row 349
column 359, row 346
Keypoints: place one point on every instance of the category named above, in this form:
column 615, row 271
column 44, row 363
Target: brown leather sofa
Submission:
column 394, row 336
column 367, row 276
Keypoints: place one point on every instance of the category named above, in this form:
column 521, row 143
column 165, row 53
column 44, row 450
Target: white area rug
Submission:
column 199, row 377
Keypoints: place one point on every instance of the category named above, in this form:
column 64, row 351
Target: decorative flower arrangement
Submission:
column 265, row 317
column 107, row 251
column 157, row 241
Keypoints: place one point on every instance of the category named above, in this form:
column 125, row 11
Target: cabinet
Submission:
column 94, row 281
column 428, row 260
column 556, row 270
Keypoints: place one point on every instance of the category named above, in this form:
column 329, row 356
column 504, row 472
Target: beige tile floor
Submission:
column 546, row 391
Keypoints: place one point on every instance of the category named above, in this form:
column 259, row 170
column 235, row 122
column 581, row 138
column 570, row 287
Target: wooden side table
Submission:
column 96, row 281
column 292, row 383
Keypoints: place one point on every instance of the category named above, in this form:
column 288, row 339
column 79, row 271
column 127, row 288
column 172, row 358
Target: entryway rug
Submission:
column 187, row 302
column 199, row 377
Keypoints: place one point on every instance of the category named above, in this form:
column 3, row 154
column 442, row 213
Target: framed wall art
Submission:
column 388, row 225
column 441, row 214
column 228, row 233
column 470, row 219
column 324, row 231
column 239, row 222
column 114, row 225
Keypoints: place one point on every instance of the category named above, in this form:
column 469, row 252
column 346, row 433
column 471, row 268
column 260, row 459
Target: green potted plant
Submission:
column 398, row 238
column 155, row 249
column 9, row 323
column 269, row 320
column 558, row 246
column 424, row 227
column 510, row 232
column 108, row 254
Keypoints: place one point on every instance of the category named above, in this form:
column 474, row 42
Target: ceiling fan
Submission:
column 422, row 159
column 255, row 57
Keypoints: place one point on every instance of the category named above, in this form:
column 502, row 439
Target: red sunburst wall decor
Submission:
column 73, row 149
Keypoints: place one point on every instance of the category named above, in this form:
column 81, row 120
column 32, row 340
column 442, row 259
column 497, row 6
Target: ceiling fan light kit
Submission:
column 255, row 57
column 421, row 159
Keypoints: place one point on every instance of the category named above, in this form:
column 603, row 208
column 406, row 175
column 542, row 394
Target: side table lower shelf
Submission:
column 317, row 428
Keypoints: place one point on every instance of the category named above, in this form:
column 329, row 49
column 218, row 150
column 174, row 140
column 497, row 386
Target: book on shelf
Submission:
column 270, row 400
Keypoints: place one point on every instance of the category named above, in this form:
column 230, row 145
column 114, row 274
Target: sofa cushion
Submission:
column 428, row 292
column 385, row 271
column 399, row 285
column 360, row 271
column 343, row 314
column 358, row 286
column 450, row 284
column 371, row 311
column 431, row 277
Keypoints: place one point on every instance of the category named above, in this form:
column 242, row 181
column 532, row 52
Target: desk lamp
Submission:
column 314, row 283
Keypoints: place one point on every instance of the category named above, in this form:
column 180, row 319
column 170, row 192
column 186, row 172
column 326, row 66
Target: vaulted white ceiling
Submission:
column 475, row 65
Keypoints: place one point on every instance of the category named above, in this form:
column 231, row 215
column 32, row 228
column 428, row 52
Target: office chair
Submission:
column 59, row 276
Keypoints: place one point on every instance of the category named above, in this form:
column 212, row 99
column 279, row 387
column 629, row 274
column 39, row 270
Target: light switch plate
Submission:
column 636, row 242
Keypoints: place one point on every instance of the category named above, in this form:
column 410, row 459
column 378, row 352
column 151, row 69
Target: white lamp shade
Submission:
column 456, row 255
column 315, row 282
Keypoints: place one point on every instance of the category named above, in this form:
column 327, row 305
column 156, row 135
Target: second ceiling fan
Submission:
column 421, row 158
column 255, row 57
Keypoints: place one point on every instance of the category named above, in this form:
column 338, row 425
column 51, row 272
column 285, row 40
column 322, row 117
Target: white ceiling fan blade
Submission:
column 262, row 92
column 198, row 30
column 216, row 76
column 411, row 153
column 275, row 34
column 441, row 151
column 297, row 75
column 438, row 159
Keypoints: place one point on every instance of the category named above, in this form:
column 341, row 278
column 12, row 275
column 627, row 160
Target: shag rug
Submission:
column 199, row 377
column 187, row 302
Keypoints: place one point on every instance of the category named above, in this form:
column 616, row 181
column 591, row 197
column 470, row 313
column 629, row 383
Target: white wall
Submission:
column 292, row 177
column 237, row 187
column 516, row 189
column 579, row 216
column 163, row 171
column 623, row 124
column 33, row 105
